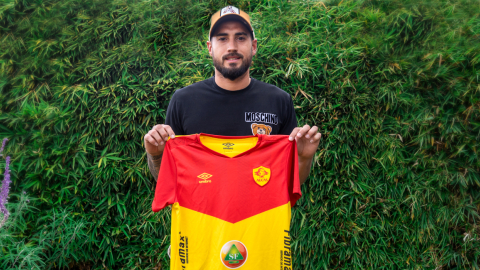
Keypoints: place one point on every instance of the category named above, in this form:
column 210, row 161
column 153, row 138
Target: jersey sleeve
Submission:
column 291, row 118
column 294, row 184
column 174, row 115
column 165, row 192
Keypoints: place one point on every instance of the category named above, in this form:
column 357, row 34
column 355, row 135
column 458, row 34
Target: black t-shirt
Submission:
column 204, row 107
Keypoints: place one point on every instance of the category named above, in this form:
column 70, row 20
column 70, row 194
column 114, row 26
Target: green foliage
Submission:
column 59, row 236
column 18, row 254
column 393, row 86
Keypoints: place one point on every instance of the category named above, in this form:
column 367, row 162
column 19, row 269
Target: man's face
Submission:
column 232, row 49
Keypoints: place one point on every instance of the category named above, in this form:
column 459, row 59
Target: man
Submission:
column 232, row 103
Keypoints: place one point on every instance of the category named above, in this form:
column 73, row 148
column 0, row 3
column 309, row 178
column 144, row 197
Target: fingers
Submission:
column 307, row 132
column 294, row 133
column 304, row 130
column 311, row 132
column 163, row 134
column 150, row 139
column 299, row 132
column 165, row 131
column 159, row 134
column 169, row 131
column 316, row 138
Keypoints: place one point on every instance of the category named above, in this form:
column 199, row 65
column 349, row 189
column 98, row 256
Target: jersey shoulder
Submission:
column 276, row 140
column 181, row 141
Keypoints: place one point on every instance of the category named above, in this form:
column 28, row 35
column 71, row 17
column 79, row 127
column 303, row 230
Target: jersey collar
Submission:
column 197, row 138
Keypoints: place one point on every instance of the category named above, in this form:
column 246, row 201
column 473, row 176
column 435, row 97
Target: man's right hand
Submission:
column 156, row 138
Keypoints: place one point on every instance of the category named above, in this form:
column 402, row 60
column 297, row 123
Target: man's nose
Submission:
column 232, row 45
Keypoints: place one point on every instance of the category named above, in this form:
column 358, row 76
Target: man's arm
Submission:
column 304, row 168
column 154, row 164
column 307, row 143
column 154, row 142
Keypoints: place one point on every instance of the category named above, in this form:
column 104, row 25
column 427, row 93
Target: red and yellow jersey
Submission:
column 232, row 198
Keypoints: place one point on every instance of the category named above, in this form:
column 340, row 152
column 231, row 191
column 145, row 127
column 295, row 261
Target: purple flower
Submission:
column 4, row 190
column 3, row 144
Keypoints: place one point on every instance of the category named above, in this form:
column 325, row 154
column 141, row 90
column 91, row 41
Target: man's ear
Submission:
column 254, row 47
column 209, row 46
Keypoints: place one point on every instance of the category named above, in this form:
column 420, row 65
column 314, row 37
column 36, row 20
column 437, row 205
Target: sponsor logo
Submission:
column 268, row 118
column 183, row 250
column 286, row 252
column 205, row 176
column 261, row 175
column 229, row 10
column 233, row 254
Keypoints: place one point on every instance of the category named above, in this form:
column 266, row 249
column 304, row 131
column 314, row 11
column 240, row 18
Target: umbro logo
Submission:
column 205, row 177
column 228, row 146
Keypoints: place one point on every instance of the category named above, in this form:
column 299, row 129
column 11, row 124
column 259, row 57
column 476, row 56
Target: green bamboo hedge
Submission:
column 392, row 84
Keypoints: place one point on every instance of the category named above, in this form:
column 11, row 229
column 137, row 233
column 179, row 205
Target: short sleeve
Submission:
column 294, row 190
column 165, row 192
column 174, row 116
column 290, row 118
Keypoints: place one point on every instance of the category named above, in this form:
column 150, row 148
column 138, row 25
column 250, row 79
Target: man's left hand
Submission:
column 307, row 141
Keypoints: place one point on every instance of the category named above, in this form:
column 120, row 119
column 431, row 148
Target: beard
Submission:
column 232, row 72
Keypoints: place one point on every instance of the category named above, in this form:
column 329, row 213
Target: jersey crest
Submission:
column 261, row 175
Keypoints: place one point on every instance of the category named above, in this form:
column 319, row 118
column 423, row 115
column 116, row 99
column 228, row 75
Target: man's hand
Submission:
column 307, row 140
column 154, row 142
column 156, row 138
column 307, row 144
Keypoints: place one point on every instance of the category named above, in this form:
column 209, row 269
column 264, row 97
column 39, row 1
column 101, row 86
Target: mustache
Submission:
column 232, row 55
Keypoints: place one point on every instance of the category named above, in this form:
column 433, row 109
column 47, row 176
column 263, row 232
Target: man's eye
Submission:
column 222, row 39
column 241, row 38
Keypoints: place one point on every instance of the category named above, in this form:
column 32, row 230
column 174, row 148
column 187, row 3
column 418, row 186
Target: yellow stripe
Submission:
column 263, row 236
